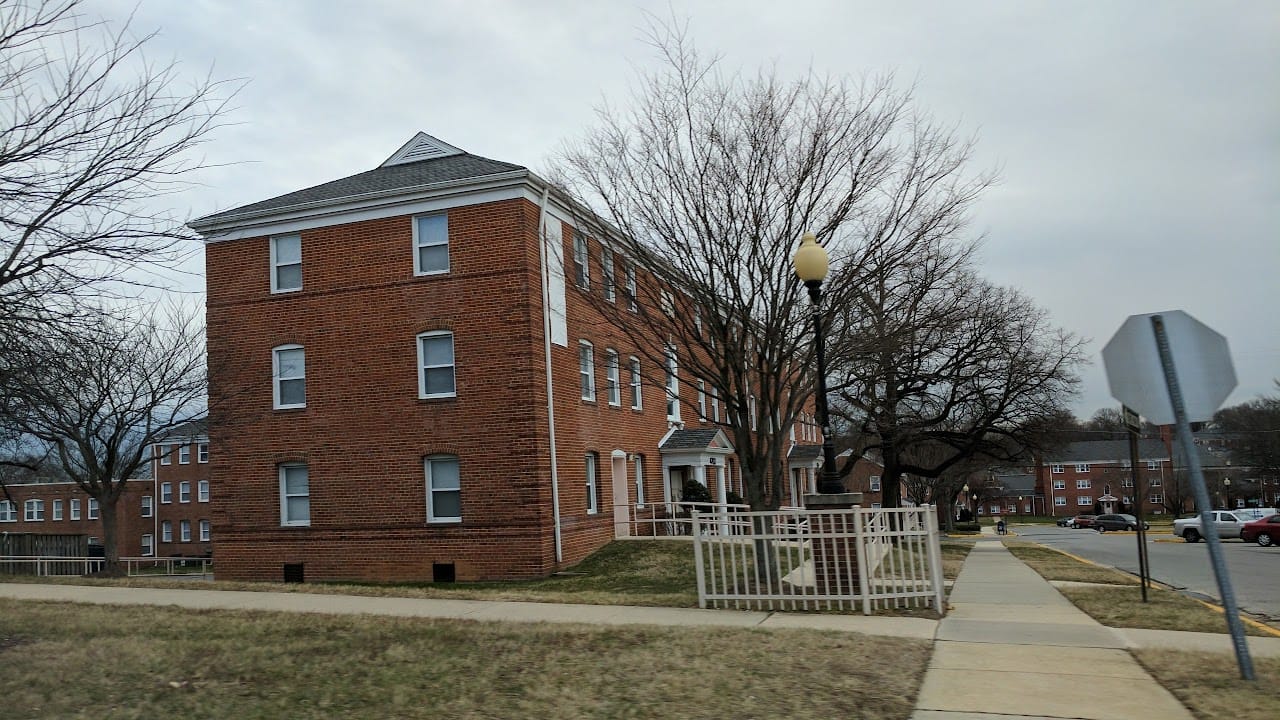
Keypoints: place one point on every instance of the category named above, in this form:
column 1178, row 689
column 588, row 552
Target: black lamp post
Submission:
column 811, row 267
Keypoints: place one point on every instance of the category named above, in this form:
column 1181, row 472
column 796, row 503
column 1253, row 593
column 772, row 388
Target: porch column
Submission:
column 722, row 497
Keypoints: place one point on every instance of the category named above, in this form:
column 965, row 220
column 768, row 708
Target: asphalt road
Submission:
column 1254, row 571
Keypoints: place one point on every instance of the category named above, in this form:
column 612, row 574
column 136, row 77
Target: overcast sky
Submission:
column 1138, row 143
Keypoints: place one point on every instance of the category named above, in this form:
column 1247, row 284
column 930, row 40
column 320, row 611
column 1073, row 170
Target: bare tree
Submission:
column 94, row 395
column 1256, row 428
column 93, row 132
column 707, row 181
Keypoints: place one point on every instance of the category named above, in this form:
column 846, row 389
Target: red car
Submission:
column 1265, row 532
column 1083, row 521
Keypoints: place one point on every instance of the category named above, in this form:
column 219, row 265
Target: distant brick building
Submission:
column 1096, row 475
column 422, row 387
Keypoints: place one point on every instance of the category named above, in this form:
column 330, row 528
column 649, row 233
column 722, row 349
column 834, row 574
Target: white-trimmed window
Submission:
column 431, row 244
column 1082, row 467
column 1126, row 499
column 1153, row 482
column 715, row 404
column 8, row 511
column 1157, row 499
column 1084, row 500
column 1058, row 469
column 206, row 531
column 637, row 397
column 581, row 261
column 33, row 511
column 184, row 530
column 751, row 410
column 295, row 495
column 286, row 263
column 1059, row 484
column 593, row 487
column 166, row 493
column 184, row 454
column 444, row 489
column 1153, row 464
column 633, row 302
column 673, row 385
column 148, row 545
column 93, row 509
column 668, row 303
column 1083, row 484
column 436, row 373
column 202, row 491
column 57, row 509
column 74, row 508
column 702, row 401
column 639, row 481
column 166, row 455
column 607, row 280
column 1126, row 482
column 166, row 531
column 202, row 453
column 1060, row 501
column 875, row 483
column 587, row 370
column 184, row 491
column 148, row 507
column 289, row 373
column 613, row 380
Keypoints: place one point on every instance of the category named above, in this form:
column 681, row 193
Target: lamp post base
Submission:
column 835, row 555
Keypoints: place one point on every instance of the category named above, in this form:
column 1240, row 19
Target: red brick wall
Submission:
column 176, row 511
column 131, row 525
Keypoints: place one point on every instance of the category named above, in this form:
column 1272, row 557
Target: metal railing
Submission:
column 675, row 519
column 820, row 559
column 52, row 566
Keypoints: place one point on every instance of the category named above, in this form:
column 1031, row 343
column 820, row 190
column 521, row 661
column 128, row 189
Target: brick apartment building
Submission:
column 422, row 389
column 1096, row 474
column 165, row 515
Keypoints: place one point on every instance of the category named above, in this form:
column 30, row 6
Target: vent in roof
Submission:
column 421, row 147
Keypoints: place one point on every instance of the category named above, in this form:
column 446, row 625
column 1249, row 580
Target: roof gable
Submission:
column 421, row 147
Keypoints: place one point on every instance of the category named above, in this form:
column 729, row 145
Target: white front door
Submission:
column 621, row 504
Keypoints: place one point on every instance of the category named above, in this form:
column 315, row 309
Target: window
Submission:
column 587, row 369
column 8, row 511
column 1058, row 469
column 436, row 365
column 668, row 304
column 166, row 458
column 184, row 491
column 611, row 377
column 1082, row 467
column 184, row 454
column 751, row 410
column 1059, row 484
column 33, row 511
column 202, row 491
column 673, row 386
column 1082, row 484
column 93, row 509
column 289, row 372
column 430, row 244
column 639, row 481
column 205, row 531
column 148, row 508
column 633, row 304
column 875, row 483
column 184, row 530
column 702, row 401
column 286, row 263
column 1060, row 501
column 697, row 324
column 166, row 493
column 1126, row 482
column 1126, row 500
column 715, row 405
column 606, row 274
column 202, row 453
column 1084, row 500
column 593, row 488
column 57, row 509
column 1157, row 499
column 1153, row 464
column 1153, row 482
column 444, row 489
column 295, row 495
column 637, row 398
column 148, row 545
column 581, row 261
column 166, row 531
column 75, row 508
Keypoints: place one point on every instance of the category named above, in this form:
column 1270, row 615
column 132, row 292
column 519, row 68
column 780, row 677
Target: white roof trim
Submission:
column 421, row 147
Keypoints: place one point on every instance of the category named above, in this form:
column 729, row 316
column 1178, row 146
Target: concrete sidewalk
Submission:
column 1013, row 647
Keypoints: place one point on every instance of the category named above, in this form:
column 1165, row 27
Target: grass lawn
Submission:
column 1210, row 685
column 1164, row 610
column 65, row 660
column 1054, row 565
column 953, row 555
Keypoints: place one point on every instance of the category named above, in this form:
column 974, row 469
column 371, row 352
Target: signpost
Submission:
column 1134, row 424
column 1195, row 365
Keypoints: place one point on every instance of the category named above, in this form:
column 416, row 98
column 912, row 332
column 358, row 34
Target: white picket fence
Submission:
column 798, row 559
column 674, row 519
column 52, row 565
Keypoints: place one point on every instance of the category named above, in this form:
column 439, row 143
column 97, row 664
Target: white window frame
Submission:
column 875, row 483
column 184, row 491
column 639, row 469
column 1082, row 467
column 165, row 457
column 202, row 491
column 421, row 343
column 92, row 513
column 276, row 378
column 1084, row 500
column 276, row 264
column 184, row 531
column 202, row 453
column 715, row 404
column 166, row 493
column 702, row 401
column 1157, row 499
column 1060, row 501
column 751, row 410
column 637, row 383
column 73, row 509
column 672, row 385
column 1084, row 484
column 8, row 512
column 419, row 243
column 581, row 260
column 668, row 303
column 148, row 506
column 206, row 530
column 57, row 510
column 613, row 380
column 607, row 280
column 1055, row 469
column 1059, row 484
column 428, row 464
column 33, row 510
column 633, row 302
column 1153, row 482
column 166, row 531
column 587, row 370
column 148, row 545
column 592, row 467
column 1153, row 464
column 184, row 454
column 285, row 521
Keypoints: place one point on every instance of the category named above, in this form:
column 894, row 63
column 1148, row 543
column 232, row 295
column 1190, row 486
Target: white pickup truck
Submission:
column 1228, row 523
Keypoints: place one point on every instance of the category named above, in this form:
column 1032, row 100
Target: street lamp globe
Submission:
column 811, row 261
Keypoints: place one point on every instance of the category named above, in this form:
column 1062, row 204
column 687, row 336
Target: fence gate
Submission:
column 800, row 559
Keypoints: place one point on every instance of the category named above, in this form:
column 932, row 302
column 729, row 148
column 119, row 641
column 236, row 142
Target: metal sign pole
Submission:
column 1139, row 496
column 1207, row 526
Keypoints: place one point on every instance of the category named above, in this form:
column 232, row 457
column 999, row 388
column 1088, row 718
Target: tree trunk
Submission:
column 110, row 535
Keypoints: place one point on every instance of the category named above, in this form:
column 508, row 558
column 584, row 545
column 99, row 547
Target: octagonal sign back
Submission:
column 1200, row 356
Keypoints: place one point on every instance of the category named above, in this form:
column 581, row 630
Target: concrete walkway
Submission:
column 1013, row 647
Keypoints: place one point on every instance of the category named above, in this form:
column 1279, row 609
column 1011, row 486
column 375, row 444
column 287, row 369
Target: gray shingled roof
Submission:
column 1108, row 451
column 1014, row 485
column 195, row 428
column 374, row 182
column 689, row 440
column 805, row 452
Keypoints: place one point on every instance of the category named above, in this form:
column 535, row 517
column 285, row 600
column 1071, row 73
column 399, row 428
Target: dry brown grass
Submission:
column 67, row 660
column 1209, row 684
column 1054, row 565
column 953, row 556
column 1164, row 610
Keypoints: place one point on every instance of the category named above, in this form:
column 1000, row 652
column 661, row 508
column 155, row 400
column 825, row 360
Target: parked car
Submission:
column 1225, row 521
column 1062, row 521
column 1081, row 521
column 1265, row 532
column 1117, row 521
